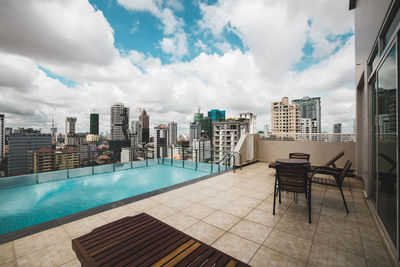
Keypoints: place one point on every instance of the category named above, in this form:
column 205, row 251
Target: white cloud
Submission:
column 175, row 45
column 60, row 32
column 152, row 6
column 234, row 81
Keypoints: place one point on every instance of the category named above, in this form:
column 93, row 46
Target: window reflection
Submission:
column 386, row 127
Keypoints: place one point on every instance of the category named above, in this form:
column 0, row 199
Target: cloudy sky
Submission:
column 65, row 58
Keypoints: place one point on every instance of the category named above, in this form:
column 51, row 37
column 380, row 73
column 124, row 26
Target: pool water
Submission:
column 28, row 205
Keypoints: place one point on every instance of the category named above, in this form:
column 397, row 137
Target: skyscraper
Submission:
column 136, row 134
column 145, row 122
column 310, row 108
column 216, row 115
column 70, row 125
column 2, row 137
column 53, row 132
column 119, row 123
column 285, row 117
column 160, row 141
column 337, row 129
column 94, row 123
column 195, row 131
column 205, row 124
column 172, row 133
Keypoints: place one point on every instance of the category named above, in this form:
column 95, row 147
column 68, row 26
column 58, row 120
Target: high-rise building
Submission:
column 172, row 133
column 53, row 133
column 202, row 150
column 67, row 159
column 119, row 123
column 160, row 141
column 285, row 117
column 94, row 123
column 127, row 154
column 337, row 129
column 7, row 132
column 250, row 119
column 70, row 125
column 216, row 115
column 205, row 124
column 2, row 138
column 136, row 134
column 309, row 126
column 21, row 146
column 195, row 131
column 144, row 120
column 310, row 108
column 226, row 136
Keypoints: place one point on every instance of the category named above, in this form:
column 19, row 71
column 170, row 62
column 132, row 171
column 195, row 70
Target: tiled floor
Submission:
column 233, row 213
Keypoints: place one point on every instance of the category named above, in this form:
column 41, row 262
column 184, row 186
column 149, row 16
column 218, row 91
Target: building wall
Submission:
column 368, row 18
column 94, row 123
column 285, row 117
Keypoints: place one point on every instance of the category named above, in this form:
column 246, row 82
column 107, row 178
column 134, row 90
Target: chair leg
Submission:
column 344, row 201
column 273, row 210
column 280, row 192
column 309, row 203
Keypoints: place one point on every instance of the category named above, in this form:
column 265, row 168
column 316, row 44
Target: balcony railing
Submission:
column 317, row 137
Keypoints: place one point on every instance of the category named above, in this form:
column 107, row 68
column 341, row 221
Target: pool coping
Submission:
column 30, row 230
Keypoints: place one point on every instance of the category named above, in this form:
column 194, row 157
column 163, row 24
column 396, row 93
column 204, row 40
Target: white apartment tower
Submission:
column 172, row 133
column 160, row 141
column 285, row 117
column 119, row 123
column 201, row 150
column 195, row 131
column 250, row 119
column 2, row 138
column 226, row 136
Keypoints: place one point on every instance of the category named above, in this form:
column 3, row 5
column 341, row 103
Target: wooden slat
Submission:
column 120, row 236
column 124, row 253
column 192, row 256
column 182, row 255
column 173, row 254
column 231, row 263
column 144, row 241
column 105, row 255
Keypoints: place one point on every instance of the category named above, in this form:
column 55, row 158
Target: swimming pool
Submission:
column 27, row 205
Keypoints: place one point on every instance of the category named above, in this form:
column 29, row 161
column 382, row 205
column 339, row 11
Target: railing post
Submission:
column 145, row 157
column 196, row 157
column 172, row 155
column 113, row 167
column 211, row 168
column 183, row 157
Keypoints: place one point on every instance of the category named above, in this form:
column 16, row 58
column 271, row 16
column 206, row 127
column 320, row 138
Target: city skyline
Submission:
column 173, row 57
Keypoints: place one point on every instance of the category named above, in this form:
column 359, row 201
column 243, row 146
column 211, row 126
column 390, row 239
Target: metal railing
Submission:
column 228, row 157
column 316, row 137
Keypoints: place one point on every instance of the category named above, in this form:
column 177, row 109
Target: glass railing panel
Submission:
column 78, row 172
column 167, row 161
column 190, row 164
column 177, row 162
column 139, row 163
column 122, row 166
column 103, row 168
column 153, row 161
column 18, row 180
column 52, row 176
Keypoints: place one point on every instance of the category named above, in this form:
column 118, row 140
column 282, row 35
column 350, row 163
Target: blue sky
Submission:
column 173, row 57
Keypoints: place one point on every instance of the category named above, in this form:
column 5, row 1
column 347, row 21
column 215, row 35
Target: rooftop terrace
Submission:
column 233, row 213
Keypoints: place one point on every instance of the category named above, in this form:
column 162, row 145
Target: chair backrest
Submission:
column 293, row 177
column 346, row 168
column 334, row 159
column 298, row 155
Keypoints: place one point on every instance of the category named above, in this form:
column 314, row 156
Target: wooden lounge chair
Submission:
column 293, row 178
column 330, row 163
column 338, row 177
column 142, row 240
